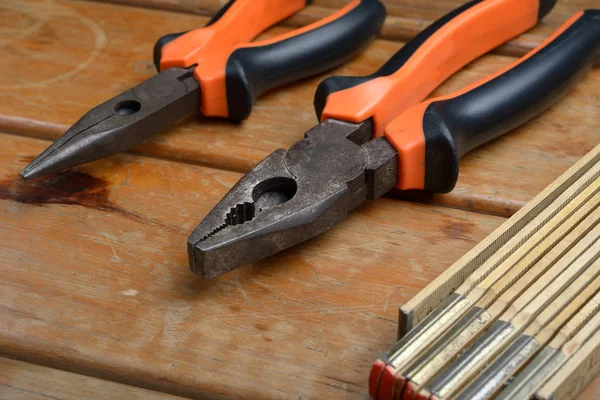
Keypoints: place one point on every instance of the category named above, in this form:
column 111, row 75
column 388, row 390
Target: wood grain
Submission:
column 93, row 262
column 90, row 53
column 405, row 18
column 21, row 381
column 95, row 276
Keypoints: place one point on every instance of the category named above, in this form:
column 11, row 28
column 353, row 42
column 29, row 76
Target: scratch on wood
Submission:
column 387, row 300
column 343, row 381
column 112, row 247
column 239, row 285
column 174, row 317
column 125, row 182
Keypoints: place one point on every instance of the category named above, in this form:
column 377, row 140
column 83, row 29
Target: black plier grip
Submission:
column 232, row 71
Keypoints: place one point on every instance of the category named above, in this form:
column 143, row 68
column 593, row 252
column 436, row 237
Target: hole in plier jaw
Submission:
column 266, row 194
column 273, row 191
column 128, row 107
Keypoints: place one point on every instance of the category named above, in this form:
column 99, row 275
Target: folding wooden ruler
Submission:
column 516, row 317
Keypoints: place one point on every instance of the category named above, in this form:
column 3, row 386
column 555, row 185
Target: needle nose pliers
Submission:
column 377, row 132
column 215, row 70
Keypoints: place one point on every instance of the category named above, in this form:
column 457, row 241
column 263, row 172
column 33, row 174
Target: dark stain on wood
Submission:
column 261, row 327
column 68, row 187
column 459, row 230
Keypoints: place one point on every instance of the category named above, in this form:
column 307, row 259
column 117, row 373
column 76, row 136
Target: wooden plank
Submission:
column 95, row 280
column 405, row 19
column 90, row 53
column 20, row 380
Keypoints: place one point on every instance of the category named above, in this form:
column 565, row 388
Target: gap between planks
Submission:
column 220, row 146
column 21, row 380
column 397, row 27
column 393, row 194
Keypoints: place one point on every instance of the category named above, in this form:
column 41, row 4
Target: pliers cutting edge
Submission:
column 217, row 71
column 294, row 195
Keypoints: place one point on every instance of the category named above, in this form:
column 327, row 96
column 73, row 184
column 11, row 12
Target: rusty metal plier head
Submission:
column 293, row 195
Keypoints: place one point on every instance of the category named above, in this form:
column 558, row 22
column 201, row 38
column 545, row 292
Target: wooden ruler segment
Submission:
column 551, row 357
column 463, row 333
column 415, row 310
column 533, row 233
column 543, row 266
column 559, row 220
column 583, row 254
column 507, row 274
column 576, row 314
column 572, row 317
column 553, row 307
column 575, row 374
column 542, row 308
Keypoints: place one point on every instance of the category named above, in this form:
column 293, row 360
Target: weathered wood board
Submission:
column 90, row 54
column 24, row 381
column 95, row 276
column 93, row 262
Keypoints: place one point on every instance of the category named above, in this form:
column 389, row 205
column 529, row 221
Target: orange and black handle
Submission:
column 232, row 72
column 426, row 61
column 163, row 40
column 432, row 136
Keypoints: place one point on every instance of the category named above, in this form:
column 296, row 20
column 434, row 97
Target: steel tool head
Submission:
column 288, row 198
column 122, row 122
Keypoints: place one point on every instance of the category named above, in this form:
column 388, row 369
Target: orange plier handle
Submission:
column 392, row 98
column 232, row 71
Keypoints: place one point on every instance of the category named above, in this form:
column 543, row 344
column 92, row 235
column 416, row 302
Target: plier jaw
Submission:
column 291, row 196
column 121, row 122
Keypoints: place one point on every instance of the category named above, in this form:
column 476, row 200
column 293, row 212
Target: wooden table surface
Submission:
column 96, row 298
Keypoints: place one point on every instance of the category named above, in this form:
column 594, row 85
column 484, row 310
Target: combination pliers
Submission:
column 377, row 133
